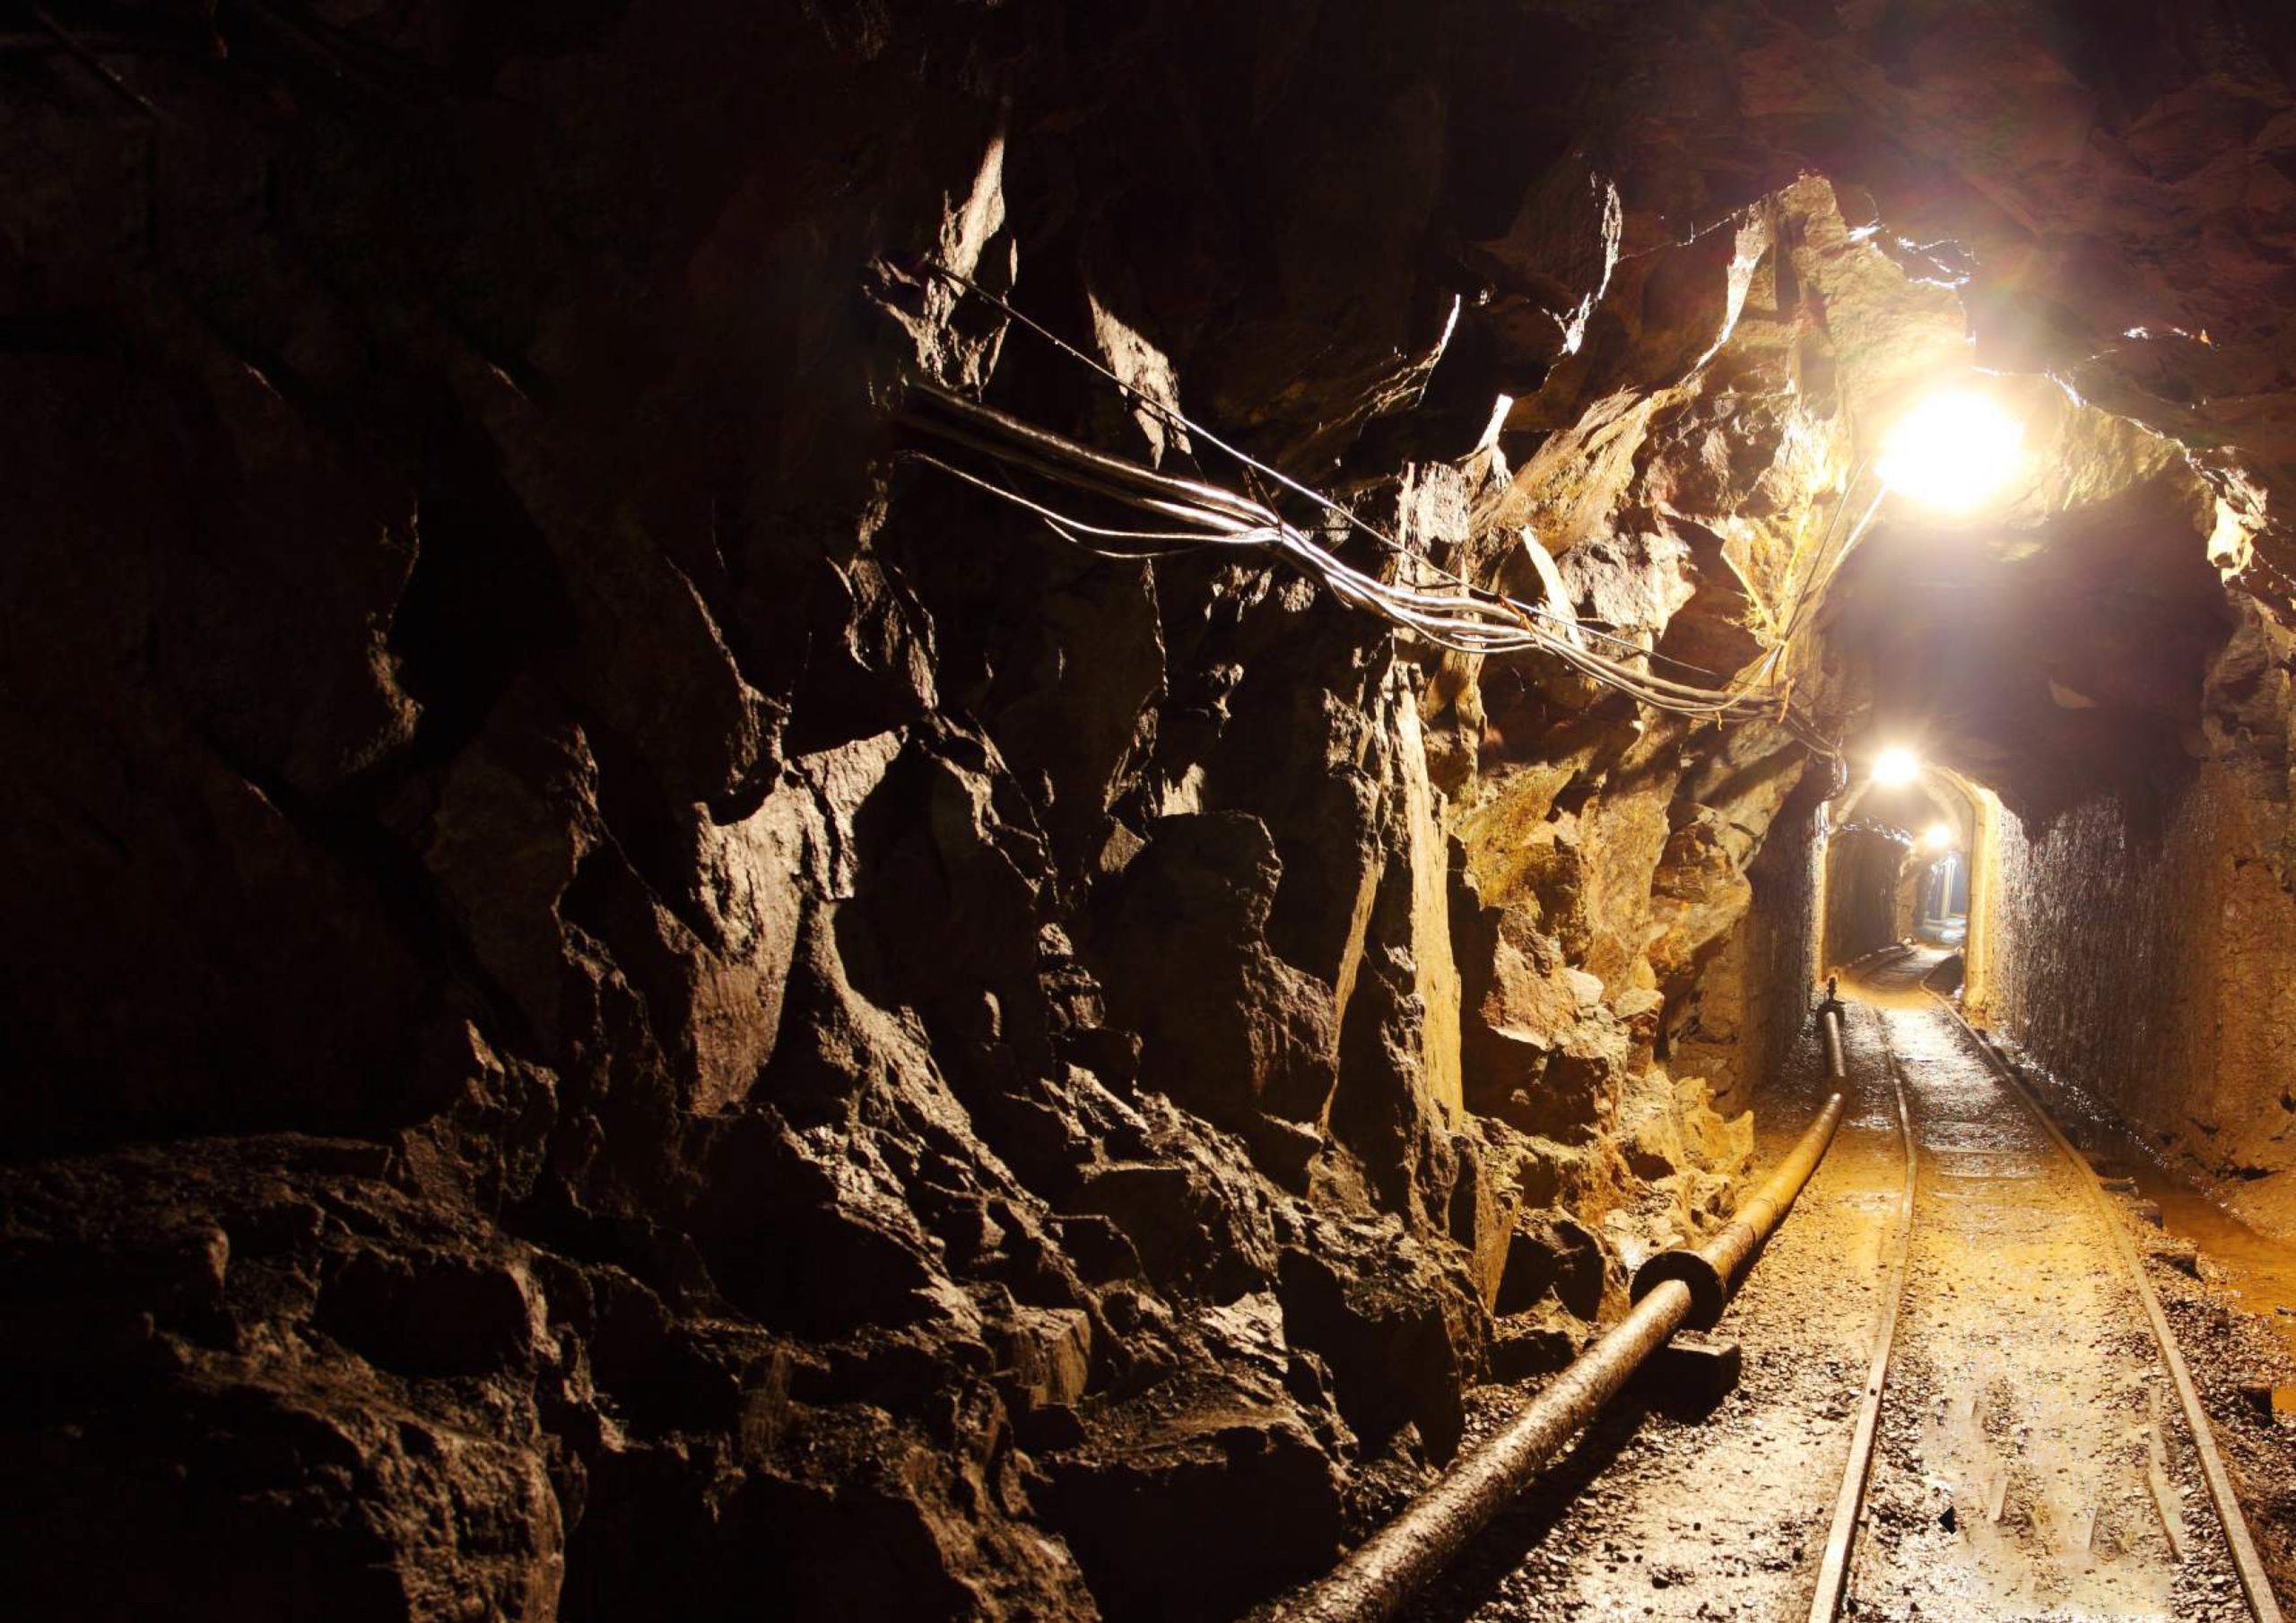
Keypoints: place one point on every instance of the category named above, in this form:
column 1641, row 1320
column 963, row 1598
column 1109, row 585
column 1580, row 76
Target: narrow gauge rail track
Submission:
column 1954, row 1358
column 1833, row 1566
column 1840, row 1569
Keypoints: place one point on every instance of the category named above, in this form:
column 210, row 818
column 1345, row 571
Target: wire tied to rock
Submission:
column 1189, row 514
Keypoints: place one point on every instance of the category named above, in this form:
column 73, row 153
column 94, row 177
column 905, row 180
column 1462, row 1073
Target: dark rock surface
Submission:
column 624, row 1002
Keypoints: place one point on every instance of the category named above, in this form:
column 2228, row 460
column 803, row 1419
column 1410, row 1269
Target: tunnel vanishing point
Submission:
column 1028, row 811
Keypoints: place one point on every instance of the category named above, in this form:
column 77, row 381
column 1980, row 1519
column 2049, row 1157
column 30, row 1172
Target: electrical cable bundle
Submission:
column 1187, row 514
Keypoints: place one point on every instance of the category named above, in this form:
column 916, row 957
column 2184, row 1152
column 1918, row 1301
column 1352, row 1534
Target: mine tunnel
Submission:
column 1471, row 810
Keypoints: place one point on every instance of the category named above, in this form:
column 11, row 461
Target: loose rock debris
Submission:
column 2033, row 1460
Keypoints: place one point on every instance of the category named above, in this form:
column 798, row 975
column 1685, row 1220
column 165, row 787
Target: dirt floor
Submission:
column 2032, row 1461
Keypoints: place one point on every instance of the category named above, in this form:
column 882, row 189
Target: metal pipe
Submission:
column 1380, row 1573
column 1829, row 1025
column 1712, row 1271
column 1391, row 1566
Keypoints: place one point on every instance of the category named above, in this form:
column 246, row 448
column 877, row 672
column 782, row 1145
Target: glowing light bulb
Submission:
column 1938, row 837
column 1953, row 451
column 1896, row 766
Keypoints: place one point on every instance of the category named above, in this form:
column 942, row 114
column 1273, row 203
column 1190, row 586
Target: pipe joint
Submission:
column 1710, row 1292
column 1672, row 1288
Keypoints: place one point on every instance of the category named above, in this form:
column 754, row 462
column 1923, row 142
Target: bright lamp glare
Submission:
column 1938, row 836
column 1894, row 769
column 1952, row 451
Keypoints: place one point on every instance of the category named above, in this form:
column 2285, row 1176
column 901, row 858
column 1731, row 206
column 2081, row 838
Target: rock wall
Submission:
column 2154, row 961
column 1862, row 894
column 633, row 1000
column 1754, row 999
column 630, row 999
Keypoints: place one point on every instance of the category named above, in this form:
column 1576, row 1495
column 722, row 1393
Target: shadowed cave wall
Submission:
column 2150, row 957
column 622, row 1001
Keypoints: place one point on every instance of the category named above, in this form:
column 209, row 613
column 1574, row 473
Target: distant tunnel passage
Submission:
column 1900, row 863
column 1862, row 871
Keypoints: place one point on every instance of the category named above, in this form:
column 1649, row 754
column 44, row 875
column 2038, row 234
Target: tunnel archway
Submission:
column 1864, row 862
column 1942, row 897
column 1904, row 861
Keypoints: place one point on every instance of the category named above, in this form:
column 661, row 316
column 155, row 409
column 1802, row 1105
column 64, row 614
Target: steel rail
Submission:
column 2254, row 1582
column 1375, row 1579
column 1833, row 1566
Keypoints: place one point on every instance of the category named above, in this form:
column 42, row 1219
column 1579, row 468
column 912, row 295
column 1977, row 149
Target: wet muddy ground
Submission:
column 2032, row 1459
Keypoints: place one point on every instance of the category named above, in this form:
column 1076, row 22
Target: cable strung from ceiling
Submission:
column 1186, row 513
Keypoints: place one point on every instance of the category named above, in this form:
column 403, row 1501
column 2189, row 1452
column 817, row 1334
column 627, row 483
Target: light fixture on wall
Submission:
column 1953, row 451
column 1896, row 766
column 1938, row 836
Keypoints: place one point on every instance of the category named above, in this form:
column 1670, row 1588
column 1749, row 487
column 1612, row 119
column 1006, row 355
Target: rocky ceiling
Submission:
column 1581, row 300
